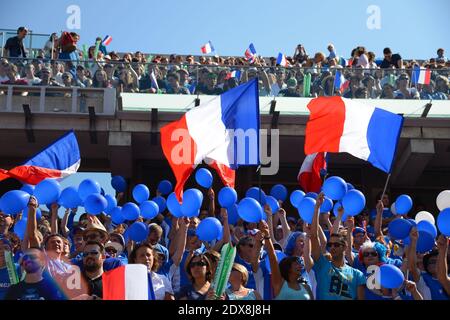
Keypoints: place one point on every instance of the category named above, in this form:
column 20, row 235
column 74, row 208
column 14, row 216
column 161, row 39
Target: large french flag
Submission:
column 309, row 174
column 58, row 160
column 128, row 282
column 337, row 124
column 213, row 132
column 207, row 48
column 421, row 75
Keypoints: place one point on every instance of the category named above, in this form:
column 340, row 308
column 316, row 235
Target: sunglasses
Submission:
column 198, row 264
column 90, row 253
column 370, row 254
column 335, row 244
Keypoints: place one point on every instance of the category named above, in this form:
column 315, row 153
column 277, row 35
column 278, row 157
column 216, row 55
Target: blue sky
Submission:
column 414, row 28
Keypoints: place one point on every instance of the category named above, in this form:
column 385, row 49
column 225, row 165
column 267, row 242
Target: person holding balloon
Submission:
column 442, row 266
column 161, row 288
column 335, row 279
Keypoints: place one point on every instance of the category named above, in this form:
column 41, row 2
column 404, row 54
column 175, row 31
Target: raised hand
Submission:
column 414, row 234
column 380, row 206
column 350, row 224
column 319, row 200
column 442, row 243
column 33, row 203
column 264, row 228
column 211, row 193
column 224, row 214
column 267, row 210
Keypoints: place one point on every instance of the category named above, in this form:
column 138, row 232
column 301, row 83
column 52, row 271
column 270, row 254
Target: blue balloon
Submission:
column 336, row 207
column 38, row 214
column 391, row 277
column 280, row 256
column 306, row 209
column 130, row 211
column 350, row 186
column 117, row 216
column 399, row 228
column 141, row 193
column 20, row 228
column 192, row 202
column 14, row 201
column 227, row 197
column 95, row 203
column 335, row 188
column 273, row 203
column 250, row 210
column 47, row 191
column 112, row 203
column 428, row 227
column 296, row 197
column 88, row 187
column 403, row 204
column 443, row 222
column 165, row 187
column 354, row 202
column 204, row 178
column 312, row 195
column 70, row 198
column 209, row 229
column 425, row 242
column 233, row 216
column 254, row 192
column 138, row 231
column 327, row 205
column 149, row 209
column 161, row 202
column 118, row 183
column 279, row 192
column 174, row 206
column 413, row 222
column 28, row 188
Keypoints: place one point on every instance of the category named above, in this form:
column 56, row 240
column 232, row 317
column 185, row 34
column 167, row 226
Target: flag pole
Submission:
column 385, row 186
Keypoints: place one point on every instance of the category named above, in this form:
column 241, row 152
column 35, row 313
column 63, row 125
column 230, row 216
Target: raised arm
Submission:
column 412, row 255
column 64, row 230
column 309, row 262
column 315, row 245
column 32, row 224
column 54, row 218
column 173, row 235
column 350, row 225
column 379, row 220
column 268, row 213
column 181, row 241
column 337, row 221
column 284, row 225
column 442, row 267
column 277, row 279
column 212, row 204
column 226, row 230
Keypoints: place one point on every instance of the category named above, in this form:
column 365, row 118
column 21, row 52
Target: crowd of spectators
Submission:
column 61, row 63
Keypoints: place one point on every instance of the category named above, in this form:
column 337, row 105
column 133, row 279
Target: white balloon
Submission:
column 424, row 215
column 393, row 208
column 443, row 200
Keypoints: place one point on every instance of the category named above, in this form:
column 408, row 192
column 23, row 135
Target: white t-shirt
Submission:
column 363, row 61
column 161, row 286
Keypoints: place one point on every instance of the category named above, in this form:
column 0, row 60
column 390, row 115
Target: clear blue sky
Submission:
column 415, row 28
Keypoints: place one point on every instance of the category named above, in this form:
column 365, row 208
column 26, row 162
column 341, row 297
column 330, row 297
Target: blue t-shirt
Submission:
column 436, row 289
column 335, row 283
column 4, row 280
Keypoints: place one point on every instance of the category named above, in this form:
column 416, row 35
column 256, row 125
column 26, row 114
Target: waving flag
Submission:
column 420, row 75
column 129, row 282
column 233, row 74
column 107, row 40
column 250, row 53
column 309, row 174
column 337, row 124
column 339, row 81
column 213, row 132
column 281, row 60
column 154, row 82
column 207, row 48
column 58, row 160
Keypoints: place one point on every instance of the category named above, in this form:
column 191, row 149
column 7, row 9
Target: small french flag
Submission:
column 207, row 48
column 250, row 53
column 339, row 80
column 154, row 82
column 128, row 282
column 421, row 75
column 107, row 40
column 233, row 74
column 281, row 60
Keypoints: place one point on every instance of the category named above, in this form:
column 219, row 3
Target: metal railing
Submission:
column 33, row 42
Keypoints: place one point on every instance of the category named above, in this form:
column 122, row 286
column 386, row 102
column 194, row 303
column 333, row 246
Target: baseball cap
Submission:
column 291, row 83
column 358, row 230
column 115, row 245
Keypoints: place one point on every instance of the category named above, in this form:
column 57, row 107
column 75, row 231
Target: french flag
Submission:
column 58, row 160
column 233, row 74
column 309, row 174
column 281, row 60
column 420, row 75
column 339, row 81
column 128, row 282
column 337, row 124
column 207, row 48
column 154, row 82
column 250, row 53
column 215, row 132
column 107, row 40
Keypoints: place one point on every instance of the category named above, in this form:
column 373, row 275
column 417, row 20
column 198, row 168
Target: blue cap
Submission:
column 358, row 230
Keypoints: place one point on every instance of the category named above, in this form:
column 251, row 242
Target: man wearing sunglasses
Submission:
column 335, row 279
column 34, row 286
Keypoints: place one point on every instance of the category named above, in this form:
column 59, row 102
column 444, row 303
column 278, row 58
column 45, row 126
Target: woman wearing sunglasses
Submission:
column 161, row 288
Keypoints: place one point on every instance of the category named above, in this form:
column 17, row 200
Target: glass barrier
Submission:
column 313, row 81
column 34, row 43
